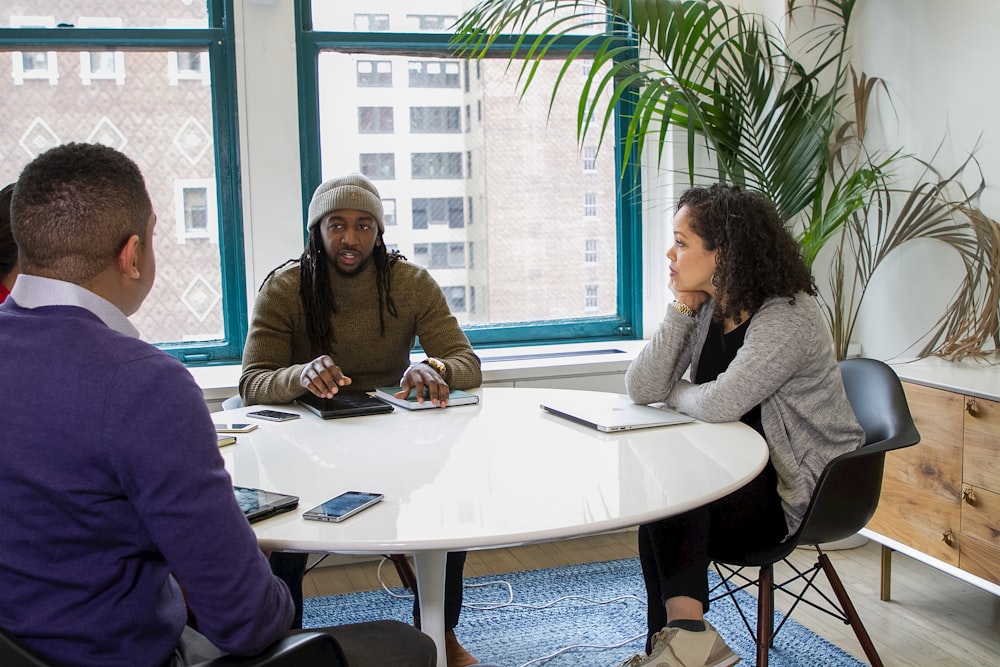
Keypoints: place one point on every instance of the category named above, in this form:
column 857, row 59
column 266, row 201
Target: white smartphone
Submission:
column 273, row 415
column 234, row 427
column 345, row 505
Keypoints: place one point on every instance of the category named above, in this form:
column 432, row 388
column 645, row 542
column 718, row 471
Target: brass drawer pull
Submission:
column 971, row 407
column 948, row 538
column 968, row 495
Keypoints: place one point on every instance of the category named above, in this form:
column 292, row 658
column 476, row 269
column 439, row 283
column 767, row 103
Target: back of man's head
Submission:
column 74, row 207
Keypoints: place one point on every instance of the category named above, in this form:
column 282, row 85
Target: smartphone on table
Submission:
column 273, row 415
column 345, row 505
column 234, row 427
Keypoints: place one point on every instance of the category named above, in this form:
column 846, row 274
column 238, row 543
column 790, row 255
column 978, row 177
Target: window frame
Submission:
column 626, row 324
column 218, row 40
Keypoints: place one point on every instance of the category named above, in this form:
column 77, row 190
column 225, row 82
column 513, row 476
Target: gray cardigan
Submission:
column 786, row 364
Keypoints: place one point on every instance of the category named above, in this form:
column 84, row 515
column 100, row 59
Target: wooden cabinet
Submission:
column 941, row 497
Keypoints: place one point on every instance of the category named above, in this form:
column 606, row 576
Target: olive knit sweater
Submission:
column 278, row 345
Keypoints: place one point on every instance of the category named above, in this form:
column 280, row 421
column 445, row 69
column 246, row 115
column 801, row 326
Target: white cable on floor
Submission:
column 510, row 603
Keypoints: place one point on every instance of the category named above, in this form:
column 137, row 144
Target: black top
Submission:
column 716, row 355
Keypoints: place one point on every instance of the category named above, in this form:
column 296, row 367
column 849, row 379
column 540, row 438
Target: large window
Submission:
column 164, row 96
column 514, row 160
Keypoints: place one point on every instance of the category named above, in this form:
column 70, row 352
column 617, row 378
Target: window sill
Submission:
column 501, row 366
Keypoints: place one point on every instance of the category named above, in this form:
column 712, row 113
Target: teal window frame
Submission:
column 626, row 323
column 219, row 40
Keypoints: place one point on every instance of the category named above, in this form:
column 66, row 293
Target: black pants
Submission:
column 290, row 568
column 675, row 552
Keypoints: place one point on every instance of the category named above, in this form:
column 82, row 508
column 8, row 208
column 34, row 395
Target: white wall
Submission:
column 939, row 62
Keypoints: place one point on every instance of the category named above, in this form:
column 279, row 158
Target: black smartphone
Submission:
column 273, row 415
column 345, row 505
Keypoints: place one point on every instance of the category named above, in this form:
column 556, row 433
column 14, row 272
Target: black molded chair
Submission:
column 305, row 649
column 844, row 500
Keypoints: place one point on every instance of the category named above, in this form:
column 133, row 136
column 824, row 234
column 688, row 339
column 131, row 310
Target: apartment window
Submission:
column 388, row 211
column 34, row 65
column 188, row 65
column 106, row 64
column 375, row 120
column 590, row 251
column 590, row 159
column 194, row 210
column 456, row 298
column 434, row 74
column 590, row 297
column 371, row 22
column 432, row 22
column 525, row 199
column 175, row 133
column 435, row 120
column 374, row 74
column 378, row 166
column 590, row 205
column 438, row 211
column 436, row 165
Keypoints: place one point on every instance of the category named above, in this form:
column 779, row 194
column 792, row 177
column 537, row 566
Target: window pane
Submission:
column 167, row 129
column 528, row 197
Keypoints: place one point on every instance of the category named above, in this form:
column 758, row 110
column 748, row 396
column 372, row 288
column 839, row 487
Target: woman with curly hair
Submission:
column 747, row 331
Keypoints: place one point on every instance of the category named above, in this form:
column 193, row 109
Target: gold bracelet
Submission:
column 683, row 308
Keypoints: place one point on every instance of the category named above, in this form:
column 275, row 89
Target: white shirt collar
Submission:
column 35, row 291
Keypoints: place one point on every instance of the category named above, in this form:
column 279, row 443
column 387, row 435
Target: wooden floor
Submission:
column 932, row 619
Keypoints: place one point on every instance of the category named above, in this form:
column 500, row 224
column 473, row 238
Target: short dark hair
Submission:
column 74, row 207
column 8, row 248
column 757, row 256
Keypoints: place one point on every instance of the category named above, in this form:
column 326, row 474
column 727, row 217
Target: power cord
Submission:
column 510, row 603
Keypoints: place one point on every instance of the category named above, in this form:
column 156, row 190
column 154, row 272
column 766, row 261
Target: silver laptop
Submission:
column 611, row 412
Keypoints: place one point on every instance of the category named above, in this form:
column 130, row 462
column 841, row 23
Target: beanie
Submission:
column 353, row 191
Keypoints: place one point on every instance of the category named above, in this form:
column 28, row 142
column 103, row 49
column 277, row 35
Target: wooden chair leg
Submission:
column 405, row 571
column 765, row 613
column 850, row 611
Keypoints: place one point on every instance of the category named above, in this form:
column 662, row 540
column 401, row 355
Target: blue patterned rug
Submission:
column 539, row 624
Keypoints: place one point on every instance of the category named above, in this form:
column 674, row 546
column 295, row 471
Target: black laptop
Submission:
column 344, row 405
column 258, row 504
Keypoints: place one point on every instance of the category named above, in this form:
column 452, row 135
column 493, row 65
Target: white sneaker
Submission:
column 674, row 647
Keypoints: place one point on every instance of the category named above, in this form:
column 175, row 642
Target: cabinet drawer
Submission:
column 982, row 445
column 922, row 485
column 982, row 560
column 981, row 517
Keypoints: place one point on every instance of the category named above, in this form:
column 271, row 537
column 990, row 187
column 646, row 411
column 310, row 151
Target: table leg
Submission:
column 430, row 567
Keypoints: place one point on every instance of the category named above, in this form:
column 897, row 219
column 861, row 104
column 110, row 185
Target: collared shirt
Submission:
column 35, row 291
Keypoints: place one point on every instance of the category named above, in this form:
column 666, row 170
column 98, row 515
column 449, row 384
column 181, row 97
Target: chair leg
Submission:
column 765, row 613
column 405, row 571
column 850, row 611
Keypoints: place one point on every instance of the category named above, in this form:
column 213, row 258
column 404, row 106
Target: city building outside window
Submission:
column 164, row 113
column 375, row 120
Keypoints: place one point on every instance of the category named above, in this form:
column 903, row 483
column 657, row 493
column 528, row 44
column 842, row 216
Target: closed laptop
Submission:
column 611, row 412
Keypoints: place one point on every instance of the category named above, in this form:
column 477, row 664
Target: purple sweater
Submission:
column 112, row 485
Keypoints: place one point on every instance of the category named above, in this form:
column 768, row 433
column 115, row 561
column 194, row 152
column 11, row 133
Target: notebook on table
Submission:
column 455, row 397
column 611, row 412
column 258, row 504
column 344, row 405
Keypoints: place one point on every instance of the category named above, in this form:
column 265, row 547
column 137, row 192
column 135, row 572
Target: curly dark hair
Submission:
column 319, row 302
column 757, row 256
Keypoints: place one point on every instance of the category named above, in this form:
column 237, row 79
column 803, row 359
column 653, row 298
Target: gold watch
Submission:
column 436, row 364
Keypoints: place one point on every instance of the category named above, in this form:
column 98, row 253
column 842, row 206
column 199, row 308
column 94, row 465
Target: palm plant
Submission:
column 768, row 114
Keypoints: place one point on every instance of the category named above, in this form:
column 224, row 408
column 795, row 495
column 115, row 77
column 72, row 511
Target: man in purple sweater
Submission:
column 114, row 492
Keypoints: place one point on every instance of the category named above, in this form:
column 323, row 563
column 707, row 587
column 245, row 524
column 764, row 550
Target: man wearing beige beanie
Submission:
column 344, row 317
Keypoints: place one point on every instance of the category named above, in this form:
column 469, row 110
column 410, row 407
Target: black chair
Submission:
column 844, row 500
column 305, row 649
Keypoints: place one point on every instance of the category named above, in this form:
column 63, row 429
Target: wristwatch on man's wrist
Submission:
column 436, row 364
